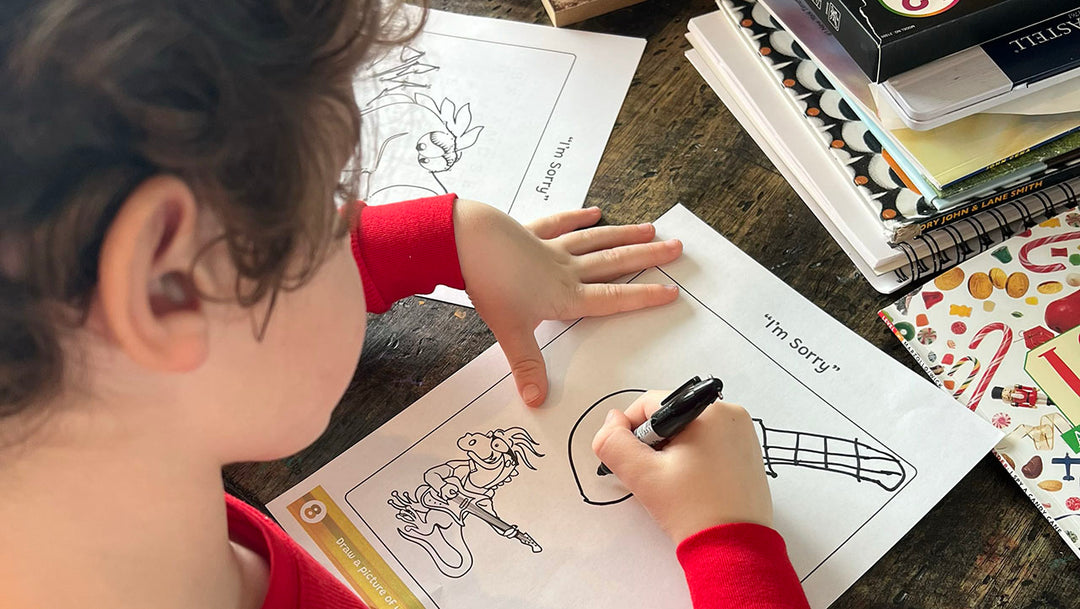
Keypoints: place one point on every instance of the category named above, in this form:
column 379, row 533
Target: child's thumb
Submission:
column 620, row 450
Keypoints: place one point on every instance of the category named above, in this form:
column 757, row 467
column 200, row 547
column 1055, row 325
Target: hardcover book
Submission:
column 999, row 333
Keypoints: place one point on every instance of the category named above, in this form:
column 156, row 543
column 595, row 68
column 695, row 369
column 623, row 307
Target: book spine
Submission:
column 847, row 28
column 1029, row 187
column 914, row 353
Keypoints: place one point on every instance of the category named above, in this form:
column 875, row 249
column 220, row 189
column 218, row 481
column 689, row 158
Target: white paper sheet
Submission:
column 895, row 446
column 510, row 114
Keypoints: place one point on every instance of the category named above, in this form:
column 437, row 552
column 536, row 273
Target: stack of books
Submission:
column 919, row 137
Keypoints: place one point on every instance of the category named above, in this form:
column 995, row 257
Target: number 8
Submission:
column 313, row 511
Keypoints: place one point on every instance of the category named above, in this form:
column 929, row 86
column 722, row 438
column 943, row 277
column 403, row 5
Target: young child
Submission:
column 178, row 292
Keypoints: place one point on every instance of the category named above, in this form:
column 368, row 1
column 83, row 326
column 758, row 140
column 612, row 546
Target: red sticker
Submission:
column 932, row 298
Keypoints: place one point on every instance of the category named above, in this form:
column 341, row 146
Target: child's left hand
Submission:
column 518, row 276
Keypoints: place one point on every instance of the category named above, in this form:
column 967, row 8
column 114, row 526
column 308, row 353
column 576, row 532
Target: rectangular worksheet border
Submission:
column 555, row 106
column 683, row 290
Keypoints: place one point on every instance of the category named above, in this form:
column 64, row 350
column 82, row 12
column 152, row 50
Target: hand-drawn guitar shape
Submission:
column 846, row 456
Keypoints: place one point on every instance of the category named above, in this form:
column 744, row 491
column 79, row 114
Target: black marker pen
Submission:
column 675, row 412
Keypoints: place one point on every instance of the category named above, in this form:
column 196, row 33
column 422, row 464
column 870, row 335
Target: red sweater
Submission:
column 408, row 248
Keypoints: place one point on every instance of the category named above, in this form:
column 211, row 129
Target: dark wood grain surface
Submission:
column 984, row 545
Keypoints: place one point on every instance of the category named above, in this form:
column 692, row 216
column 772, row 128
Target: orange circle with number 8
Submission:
column 313, row 511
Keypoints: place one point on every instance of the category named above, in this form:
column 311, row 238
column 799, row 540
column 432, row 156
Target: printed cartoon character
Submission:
column 402, row 122
column 1021, row 396
column 456, row 490
column 438, row 151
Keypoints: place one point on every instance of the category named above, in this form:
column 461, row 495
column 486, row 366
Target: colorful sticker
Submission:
column 960, row 310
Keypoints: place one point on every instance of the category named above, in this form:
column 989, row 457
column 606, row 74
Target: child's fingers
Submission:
column 644, row 406
column 554, row 225
column 606, row 237
column 609, row 264
column 598, row 299
column 721, row 421
column 618, row 449
column 526, row 363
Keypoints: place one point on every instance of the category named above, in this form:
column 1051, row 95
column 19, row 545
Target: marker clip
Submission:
column 680, row 391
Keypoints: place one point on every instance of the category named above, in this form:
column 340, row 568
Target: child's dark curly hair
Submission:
column 248, row 101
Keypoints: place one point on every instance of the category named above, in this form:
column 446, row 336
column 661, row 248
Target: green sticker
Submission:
column 1072, row 438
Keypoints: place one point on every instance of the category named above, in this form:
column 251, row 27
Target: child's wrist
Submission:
column 727, row 531
column 721, row 528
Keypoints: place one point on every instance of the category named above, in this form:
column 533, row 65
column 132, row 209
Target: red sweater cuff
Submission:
column 740, row 565
column 405, row 248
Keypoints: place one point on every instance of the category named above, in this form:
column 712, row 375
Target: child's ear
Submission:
column 147, row 301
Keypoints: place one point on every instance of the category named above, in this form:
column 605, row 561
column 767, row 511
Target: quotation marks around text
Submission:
column 553, row 168
column 817, row 362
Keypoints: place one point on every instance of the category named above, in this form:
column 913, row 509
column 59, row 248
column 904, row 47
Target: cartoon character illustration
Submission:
column 456, row 490
column 1021, row 396
column 414, row 139
column 438, row 151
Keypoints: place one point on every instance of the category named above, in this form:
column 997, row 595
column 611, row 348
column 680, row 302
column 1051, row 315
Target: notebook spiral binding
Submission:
column 992, row 227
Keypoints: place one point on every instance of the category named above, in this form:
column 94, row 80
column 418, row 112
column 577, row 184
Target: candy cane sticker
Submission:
column 991, row 368
column 975, row 366
column 1034, row 243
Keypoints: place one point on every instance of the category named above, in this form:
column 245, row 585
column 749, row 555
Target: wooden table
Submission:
column 984, row 545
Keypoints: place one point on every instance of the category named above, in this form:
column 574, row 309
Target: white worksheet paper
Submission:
column 511, row 114
column 877, row 447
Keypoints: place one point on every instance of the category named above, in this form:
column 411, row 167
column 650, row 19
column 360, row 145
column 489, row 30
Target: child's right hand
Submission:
column 711, row 473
